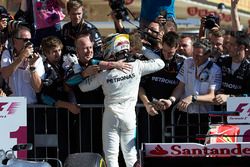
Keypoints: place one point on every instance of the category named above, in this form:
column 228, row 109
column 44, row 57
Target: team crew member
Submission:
column 161, row 84
column 121, row 92
column 199, row 78
column 186, row 46
column 53, row 90
column 77, row 26
column 235, row 70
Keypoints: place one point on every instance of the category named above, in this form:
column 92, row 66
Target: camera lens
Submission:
column 28, row 43
column 211, row 21
column 163, row 13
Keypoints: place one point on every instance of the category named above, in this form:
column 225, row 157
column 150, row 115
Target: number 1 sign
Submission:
column 13, row 122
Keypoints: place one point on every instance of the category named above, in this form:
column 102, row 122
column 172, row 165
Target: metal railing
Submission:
column 56, row 133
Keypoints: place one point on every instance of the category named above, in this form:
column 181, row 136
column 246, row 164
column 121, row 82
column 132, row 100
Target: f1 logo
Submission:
column 10, row 108
column 241, row 107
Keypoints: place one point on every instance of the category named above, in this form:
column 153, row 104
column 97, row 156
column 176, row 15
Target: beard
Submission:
column 152, row 40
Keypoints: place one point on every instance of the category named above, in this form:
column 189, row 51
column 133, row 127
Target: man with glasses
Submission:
column 21, row 67
column 152, row 36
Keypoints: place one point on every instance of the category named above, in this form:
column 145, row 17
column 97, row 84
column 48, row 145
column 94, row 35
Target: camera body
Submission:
column 4, row 13
column 211, row 21
column 27, row 44
column 8, row 17
column 120, row 10
column 163, row 13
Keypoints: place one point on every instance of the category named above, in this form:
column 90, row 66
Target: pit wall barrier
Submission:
column 56, row 133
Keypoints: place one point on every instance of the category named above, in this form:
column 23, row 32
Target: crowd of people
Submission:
column 65, row 66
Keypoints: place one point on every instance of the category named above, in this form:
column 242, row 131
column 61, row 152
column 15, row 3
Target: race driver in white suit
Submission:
column 121, row 92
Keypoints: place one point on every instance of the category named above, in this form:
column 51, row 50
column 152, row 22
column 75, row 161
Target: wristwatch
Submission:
column 32, row 69
column 172, row 100
column 194, row 98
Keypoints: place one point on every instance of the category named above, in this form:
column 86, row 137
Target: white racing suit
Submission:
column 119, row 118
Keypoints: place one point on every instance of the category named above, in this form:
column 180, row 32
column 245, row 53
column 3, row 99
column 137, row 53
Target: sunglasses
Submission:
column 24, row 39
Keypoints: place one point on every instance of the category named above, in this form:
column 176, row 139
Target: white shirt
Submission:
column 20, row 81
column 195, row 86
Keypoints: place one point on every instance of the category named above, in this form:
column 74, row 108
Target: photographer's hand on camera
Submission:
column 26, row 52
column 161, row 20
column 203, row 20
column 33, row 58
column 118, row 23
column 202, row 28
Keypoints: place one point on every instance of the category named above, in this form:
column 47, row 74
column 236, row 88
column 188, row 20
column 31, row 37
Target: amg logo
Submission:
column 113, row 80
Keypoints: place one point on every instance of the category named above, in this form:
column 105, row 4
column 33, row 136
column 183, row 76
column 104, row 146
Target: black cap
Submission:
column 3, row 12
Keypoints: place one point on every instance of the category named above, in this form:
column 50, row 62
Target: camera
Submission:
column 3, row 16
column 120, row 10
column 163, row 13
column 4, row 13
column 27, row 44
column 211, row 21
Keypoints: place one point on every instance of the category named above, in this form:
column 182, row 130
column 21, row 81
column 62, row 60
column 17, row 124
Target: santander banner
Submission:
column 196, row 149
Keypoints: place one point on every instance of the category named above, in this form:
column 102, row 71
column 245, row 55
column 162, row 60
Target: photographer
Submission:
column 119, row 14
column 21, row 67
column 152, row 36
column 208, row 23
column 7, row 25
column 4, row 17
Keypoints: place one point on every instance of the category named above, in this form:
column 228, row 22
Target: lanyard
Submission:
column 206, row 75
